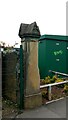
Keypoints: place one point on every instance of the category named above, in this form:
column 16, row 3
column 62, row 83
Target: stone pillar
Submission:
column 29, row 34
column 33, row 96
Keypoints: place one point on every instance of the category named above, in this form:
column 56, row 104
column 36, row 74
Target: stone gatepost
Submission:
column 30, row 34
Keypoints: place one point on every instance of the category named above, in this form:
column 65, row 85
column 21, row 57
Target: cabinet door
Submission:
column 55, row 56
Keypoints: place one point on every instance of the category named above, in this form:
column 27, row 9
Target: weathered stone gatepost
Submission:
column 29, row 34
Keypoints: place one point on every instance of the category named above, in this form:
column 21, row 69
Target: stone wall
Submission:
column 9, row 62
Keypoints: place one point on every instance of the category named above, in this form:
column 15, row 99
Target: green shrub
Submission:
column 44, row 94
column 42, row 82
column 47, row 80
column 66, row 89
column 60, row 80
column 55, row 77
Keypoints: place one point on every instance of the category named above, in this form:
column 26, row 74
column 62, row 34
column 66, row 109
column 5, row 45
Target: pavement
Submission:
column 55, row 109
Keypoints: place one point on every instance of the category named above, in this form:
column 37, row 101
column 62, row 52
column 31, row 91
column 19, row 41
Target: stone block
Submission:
column 33, row 101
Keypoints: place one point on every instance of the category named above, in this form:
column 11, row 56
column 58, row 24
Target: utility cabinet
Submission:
column 52, row 54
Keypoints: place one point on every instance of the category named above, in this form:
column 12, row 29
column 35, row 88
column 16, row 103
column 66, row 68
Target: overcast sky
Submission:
column 50, row 16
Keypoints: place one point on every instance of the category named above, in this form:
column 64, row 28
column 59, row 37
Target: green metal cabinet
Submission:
column 52, row 54
column 67, row 57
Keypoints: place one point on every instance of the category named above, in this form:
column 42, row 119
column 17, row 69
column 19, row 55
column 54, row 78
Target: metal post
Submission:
column 0, row 74
column 58, row 73
column 49, row 93
column 0, row 83
column 21, row 79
